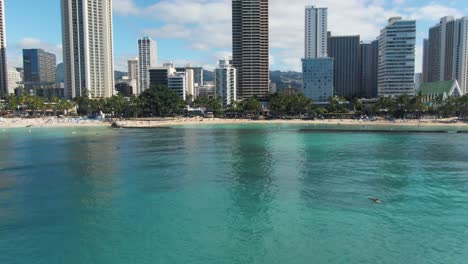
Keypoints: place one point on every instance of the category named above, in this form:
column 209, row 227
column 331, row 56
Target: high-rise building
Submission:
column 316, row 32
column 397, row 43
column 4, row 91
column 425, row 73
column 345, row 51
column 250, row 47
column 318, row 79
column 147, row 58
column 317, row 68
column 133, row 73
column 460, row 54
column 369, row 69
column 39, row 70
column 225, row 82
column 88, row 48
column 446, row 52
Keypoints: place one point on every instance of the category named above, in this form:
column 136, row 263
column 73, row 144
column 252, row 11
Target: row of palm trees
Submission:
column 37, row 105
column 400, row 107
column 160, row 101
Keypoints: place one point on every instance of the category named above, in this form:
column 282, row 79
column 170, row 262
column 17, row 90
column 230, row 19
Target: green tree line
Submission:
column 161, row 101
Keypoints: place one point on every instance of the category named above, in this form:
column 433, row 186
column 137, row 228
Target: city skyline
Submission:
column 180, row 44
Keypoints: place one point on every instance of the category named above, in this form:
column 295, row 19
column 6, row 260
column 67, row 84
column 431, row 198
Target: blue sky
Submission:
column 198, row 31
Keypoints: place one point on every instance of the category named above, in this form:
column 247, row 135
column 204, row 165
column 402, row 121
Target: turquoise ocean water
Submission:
column 228, row 194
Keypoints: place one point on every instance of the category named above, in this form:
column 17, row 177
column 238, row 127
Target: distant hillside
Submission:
column 61, row 75
column 285, row 80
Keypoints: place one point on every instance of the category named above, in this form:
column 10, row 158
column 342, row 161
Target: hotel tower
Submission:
column 88, row 48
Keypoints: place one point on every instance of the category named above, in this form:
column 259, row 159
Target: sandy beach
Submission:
column 50, row 122
column 331, row 123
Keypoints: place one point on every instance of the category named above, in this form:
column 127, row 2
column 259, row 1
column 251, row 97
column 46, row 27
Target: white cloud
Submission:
column 433, row 12
column 205, row 25
column 125, row 7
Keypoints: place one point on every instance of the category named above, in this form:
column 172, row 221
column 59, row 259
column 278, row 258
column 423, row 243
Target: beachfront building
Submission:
column 317, row 68
column 250, row 47
column 345, row 51
column 4, row 90
column 369, row 69
column 318, row 79
column 147, row 58
column 88, row 55
column 437, row 92
column 397, row 46
column 225, row 82
column 446, row 52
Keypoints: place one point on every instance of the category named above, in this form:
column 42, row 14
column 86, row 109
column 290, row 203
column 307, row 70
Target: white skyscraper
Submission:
column 460, row 54
column 147, row 58
column 225, row 82
column 316, row 32
column 3, row 62
column 88, row 48
column 317, row 68
column 397, row 45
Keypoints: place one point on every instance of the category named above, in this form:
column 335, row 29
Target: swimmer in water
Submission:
column 376, row 200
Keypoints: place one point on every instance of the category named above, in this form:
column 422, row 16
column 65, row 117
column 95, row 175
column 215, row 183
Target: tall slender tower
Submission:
column 147, row 58
column 316, row 33
column 88, row 48
column 3, row 62
column 460, row 53
column 250, row 50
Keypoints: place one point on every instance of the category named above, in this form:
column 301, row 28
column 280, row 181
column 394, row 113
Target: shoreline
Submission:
column 309, row 125
column 345, row 125
column 51, row 122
